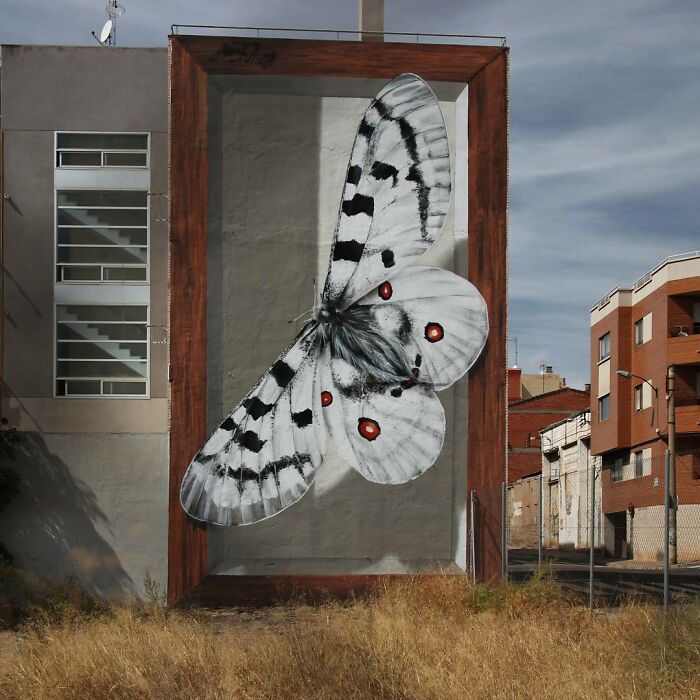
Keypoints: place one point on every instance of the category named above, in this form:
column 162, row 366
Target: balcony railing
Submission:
column 688, row 417
column 684, row 350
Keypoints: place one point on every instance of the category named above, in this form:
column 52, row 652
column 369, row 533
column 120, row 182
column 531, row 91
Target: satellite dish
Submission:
column 106, row 31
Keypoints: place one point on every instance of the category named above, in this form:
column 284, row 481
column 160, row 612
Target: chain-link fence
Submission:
column 606, row 529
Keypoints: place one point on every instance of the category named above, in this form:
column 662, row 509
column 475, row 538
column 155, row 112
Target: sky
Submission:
column 604, row 131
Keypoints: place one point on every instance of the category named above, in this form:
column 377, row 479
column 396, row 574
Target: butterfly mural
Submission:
column 385, row 336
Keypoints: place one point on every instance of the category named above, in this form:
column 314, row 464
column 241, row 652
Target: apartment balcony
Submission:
column 688, row 416
column 684, row 350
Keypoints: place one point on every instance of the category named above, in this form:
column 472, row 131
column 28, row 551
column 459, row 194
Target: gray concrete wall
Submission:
column 106, row 457
column 278, row 156
column 90, row 507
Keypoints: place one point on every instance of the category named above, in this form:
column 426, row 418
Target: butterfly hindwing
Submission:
column 263, row 456
column 439, row 317
column 396, row 193
column 388, row 434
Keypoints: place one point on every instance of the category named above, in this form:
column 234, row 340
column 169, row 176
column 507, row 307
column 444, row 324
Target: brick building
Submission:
column 527, row 416
column 644, row 329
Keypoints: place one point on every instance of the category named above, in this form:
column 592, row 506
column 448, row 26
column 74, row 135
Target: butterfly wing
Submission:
column 393, row 433
column 439, row 317
column 387, row 434
column 263, row 456
column 396, row 193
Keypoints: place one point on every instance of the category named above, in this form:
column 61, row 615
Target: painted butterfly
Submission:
column 383, row 338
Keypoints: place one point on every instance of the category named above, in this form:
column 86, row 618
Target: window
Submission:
column 604, row 347
column 642, row 396
column 638, row 397
column 618, row 471
column 639, row 332
column 642, row 330
column 101, row 350
column 604, row 407
column 642, row 462
column 101, row 150
column 101, row 235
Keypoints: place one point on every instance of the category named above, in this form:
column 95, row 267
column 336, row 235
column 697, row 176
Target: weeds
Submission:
column 440, row 638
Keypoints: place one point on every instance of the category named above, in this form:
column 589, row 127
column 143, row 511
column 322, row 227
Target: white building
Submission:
column 567, row 469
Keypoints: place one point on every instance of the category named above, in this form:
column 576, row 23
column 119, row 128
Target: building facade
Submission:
column 643, row 330
column 85, row 381
column 567, row 470
column 527, row 416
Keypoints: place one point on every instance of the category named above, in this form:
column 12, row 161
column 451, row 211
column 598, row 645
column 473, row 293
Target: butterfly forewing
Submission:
column 396, row 193
column 262, row 457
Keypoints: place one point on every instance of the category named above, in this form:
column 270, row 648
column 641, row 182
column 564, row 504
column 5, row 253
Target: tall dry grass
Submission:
column 442, row 639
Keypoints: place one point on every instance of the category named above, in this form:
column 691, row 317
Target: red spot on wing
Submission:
column 326, row 398
column 385, row 291
column 434, row 332
column 368, row 428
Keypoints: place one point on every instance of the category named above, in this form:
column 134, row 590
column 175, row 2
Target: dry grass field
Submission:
column 442, row 639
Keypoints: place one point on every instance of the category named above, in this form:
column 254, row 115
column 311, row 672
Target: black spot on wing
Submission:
column 354, row 174
column 256, row 408
column 396, row 392
column 229, row 424
column 282, row 373
column 415, row 174
column 249, row 440
column 408, row 134
column 384, row 171
column 366, row 129
column 381, row 108
column 419, row 360
column 303, row 418
column 243, row 473
column 359, row 204
column 348, row 250
column 388, row 258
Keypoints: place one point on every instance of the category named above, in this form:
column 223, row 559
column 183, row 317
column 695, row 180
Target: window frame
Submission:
column 147, row 342
column 600, row 406
column 102, row 151
column 639, row 397
column 57, row 266
column 639, row 332
column 601, row 356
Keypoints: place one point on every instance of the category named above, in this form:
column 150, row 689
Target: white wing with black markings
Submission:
column 263, row 456
column 397, row 190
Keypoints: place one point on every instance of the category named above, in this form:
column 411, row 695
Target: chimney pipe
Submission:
column 371, row 20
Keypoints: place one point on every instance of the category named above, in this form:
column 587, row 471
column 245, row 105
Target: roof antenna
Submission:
column 108, row 34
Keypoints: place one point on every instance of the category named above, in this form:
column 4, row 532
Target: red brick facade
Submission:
column 630, row 428
column 525, row 420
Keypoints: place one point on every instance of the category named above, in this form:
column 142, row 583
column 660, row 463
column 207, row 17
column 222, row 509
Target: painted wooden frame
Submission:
column 192, row 59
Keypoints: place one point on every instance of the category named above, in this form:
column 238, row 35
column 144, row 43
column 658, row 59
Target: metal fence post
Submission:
column 667, row 499
column 540, row 525
column 591, row 535
column 472, row 536
column 504, row 541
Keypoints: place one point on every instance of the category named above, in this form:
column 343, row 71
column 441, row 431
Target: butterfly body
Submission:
column 385, row 336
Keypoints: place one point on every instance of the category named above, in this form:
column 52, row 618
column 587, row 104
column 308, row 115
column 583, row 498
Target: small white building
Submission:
column 567, row 469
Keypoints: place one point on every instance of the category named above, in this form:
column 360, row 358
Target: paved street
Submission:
column 614, row 580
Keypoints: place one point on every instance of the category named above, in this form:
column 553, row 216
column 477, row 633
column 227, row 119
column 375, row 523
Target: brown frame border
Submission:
column 192, row 59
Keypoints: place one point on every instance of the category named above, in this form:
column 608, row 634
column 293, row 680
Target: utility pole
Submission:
column 372, row 20
column 671, row 495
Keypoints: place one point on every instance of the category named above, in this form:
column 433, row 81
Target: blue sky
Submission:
column 604, row 131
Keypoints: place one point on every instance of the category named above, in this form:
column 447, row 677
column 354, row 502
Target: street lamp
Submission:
column 670, row 504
